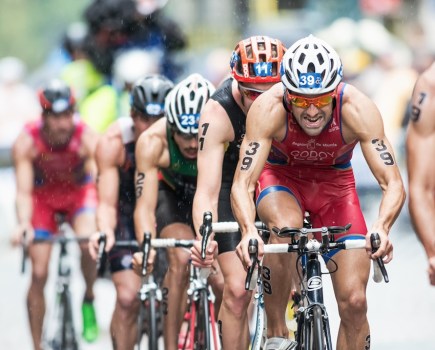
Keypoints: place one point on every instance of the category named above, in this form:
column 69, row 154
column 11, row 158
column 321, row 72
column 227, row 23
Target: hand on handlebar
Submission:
column 138, row 259
column 242, row 249
column 94, row 243
column 22, row 234
column 385, row 250
column 210, row 256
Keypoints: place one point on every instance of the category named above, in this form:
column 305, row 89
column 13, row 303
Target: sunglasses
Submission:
column 250, row 93
column 305, row 102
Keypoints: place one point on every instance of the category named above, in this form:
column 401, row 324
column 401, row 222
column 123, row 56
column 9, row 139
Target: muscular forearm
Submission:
column 144, row 221
column 106, row 218
column 24, row 208
column 391, row 205
column 243, row 207
column 422, row 210
column 203, row 202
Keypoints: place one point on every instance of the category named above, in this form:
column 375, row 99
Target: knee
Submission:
column 236, row 299
column 39, row 277
column 126, row 299
column 354, row 308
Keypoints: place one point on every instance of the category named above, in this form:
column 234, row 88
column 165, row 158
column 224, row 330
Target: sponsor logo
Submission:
column 314, row 283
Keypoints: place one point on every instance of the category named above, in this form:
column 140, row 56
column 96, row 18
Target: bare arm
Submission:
column 149, row 152
column 215, row 130
column 362, row 119
column 90, row 139
column 420, row 148
column 255, row 148
column 22, row 157
column 109, row 152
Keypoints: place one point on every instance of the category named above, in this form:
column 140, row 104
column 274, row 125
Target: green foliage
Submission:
column 30, row 29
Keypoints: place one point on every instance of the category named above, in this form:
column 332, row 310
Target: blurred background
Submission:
column 101, row 46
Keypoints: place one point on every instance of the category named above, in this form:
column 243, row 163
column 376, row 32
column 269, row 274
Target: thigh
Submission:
column 171, row 209
column 43, row 220
column 351, row 277
column 178, row 230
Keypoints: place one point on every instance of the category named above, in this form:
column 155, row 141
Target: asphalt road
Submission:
column 401, row 313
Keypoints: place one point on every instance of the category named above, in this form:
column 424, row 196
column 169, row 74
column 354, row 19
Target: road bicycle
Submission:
column 150, row 316
column 201, row 333
column 59, row 331
column 313, row 331
column 258, row 332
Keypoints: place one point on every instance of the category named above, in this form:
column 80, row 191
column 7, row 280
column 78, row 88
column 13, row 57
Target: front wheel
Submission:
column 318, row 340
column 202, row 325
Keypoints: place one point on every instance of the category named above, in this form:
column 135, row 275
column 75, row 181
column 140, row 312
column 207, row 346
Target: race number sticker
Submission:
column 310, row 80
column 189, row 121
column 263, row 69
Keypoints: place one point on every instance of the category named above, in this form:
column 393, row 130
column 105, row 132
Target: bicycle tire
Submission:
column 153, row 336
column 318, row 334
column 202, row 323
column 140, row 325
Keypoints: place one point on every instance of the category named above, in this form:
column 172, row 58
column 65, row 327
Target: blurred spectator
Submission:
column 110, row 101
column 117, row 25
column 18, row 102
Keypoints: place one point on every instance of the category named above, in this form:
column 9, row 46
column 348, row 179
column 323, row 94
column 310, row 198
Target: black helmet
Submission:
column 56, row 97
column 148, row 94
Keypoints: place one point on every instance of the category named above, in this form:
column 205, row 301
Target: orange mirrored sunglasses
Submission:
column 305, row 102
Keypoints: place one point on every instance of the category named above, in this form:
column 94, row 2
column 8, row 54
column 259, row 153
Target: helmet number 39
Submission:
column 310, row 80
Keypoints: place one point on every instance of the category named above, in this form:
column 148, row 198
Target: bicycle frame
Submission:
column 202, row 331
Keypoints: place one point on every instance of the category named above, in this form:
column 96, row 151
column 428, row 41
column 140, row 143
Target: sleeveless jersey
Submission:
column 57, row 167
column 126, row 194
column 181, row 173
column 224, row 96
column 326, row 150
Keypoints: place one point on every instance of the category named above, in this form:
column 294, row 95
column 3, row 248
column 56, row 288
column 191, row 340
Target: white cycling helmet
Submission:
column 311, row 67
column 185, row 102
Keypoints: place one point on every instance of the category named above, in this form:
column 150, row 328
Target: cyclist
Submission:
column 165, row 184
column 305, row 144
column 419, row 145
column 53, row 159
column 116, row 168
column 255, row 66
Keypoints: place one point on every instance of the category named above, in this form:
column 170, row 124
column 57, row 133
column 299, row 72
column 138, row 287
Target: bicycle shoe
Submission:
column 90, row 327
column 278, row 343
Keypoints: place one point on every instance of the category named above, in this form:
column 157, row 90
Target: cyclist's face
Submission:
column 314, row 118
column 58, row 127
column 187, row 143
column 142, row 122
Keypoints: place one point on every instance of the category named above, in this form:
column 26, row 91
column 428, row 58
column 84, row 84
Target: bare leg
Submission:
column 233, row 312
column 40, row 256
column 350, row 283
column 175, row 283
column 279, row 209
column 85, row 224
column 123, row 326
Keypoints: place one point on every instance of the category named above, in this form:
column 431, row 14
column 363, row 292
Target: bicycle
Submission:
column 150, row 295
column 59, row 330
column 200, row 299
column 313, row 330
column 258, row 337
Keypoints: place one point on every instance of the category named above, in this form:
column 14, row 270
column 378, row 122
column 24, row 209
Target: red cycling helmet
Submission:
column 257, row 60
column 56, row 97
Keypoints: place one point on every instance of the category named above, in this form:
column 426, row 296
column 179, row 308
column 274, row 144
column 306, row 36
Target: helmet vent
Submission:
column 301, row 59
column 311, row 68
column 249, row 52
column 320, row 58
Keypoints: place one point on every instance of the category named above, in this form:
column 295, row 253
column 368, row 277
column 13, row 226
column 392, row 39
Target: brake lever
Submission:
column 253, row 255
column 102, row 255
column 375, row 242
column 146, row 247
column 205, row 231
